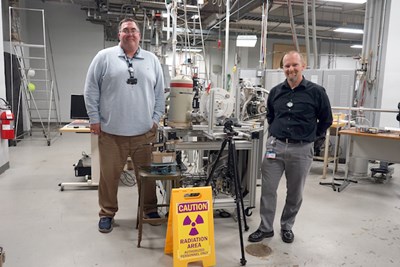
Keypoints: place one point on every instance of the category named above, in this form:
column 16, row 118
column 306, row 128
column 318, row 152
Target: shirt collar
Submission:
column 137, row 55
column 302, row 84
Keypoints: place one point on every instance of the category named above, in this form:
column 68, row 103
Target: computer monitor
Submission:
column 78, row 108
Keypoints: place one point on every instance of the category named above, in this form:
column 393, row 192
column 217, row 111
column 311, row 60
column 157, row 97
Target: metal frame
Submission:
column 253, row 147
column 49, row 87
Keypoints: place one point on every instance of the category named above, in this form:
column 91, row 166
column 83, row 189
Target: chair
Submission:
column 145, row 176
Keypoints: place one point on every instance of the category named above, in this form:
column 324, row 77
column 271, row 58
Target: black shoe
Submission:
column 287, row 236
column 259, row 235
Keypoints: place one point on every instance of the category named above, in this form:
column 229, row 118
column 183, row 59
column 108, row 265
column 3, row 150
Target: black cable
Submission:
column 6, row 106
column 127, row 178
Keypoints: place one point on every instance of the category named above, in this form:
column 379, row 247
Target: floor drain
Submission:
column 258, row 250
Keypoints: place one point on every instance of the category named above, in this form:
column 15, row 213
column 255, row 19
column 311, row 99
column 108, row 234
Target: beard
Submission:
column 292, row 77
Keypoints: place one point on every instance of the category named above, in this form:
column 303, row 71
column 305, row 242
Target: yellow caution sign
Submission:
column 190, row 232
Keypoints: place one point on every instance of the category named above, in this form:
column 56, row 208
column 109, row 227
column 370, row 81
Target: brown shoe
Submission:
column 153, row 215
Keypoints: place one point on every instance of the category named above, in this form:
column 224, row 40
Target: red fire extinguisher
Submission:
column 7, row 122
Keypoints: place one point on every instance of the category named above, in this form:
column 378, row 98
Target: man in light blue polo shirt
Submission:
column 124, row 96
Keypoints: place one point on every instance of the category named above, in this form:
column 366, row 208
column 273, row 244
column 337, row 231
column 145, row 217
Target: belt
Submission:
column 291, row 141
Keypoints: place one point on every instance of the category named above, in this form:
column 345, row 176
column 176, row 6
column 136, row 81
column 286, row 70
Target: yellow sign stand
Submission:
column 190, row 232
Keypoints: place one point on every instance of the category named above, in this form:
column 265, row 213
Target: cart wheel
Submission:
column 248, row 212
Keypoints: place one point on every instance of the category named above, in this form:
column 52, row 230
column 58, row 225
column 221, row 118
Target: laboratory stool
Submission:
column 144, row 176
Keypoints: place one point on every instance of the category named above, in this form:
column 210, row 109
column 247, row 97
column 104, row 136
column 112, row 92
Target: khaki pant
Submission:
column 114, row 151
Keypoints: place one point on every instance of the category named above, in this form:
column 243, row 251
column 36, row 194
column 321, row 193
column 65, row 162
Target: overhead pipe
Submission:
column 368, row 20
column 263, row 45
column 226, row 69
column 168, row 7
column 144, row 26
column 306, row 31
column 314, row 34
column 292, row 26
column 202, row 45
column 174, row 36
column 381, row 35
column 379, row 45
column 187, row 38
column 223, row 18
column 379, row 53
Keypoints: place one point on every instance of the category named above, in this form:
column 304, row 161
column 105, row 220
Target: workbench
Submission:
column 377, row 146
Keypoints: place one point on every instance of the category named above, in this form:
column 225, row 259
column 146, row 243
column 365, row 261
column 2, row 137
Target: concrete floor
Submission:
column 41, row 226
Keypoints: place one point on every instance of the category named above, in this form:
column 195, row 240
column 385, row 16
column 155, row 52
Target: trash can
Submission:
column 358, row 167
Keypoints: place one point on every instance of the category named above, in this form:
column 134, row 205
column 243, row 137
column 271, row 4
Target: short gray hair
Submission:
column 127, row 20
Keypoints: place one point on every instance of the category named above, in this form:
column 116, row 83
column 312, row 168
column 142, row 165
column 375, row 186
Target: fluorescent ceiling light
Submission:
column 348, row 30
column 357, row 46
column 348, row 1
column 246, row 40
column 191, row 50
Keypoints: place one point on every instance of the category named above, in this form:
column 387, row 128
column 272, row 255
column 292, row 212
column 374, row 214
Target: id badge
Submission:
column 270, row 154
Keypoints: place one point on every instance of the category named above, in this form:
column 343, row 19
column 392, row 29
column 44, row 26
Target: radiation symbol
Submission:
column 188, row 221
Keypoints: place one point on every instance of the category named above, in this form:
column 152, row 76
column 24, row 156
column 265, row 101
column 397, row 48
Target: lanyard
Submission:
column 129, row 62
column 132, row 80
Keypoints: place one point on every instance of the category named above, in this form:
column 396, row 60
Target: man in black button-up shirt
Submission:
column 298, row 112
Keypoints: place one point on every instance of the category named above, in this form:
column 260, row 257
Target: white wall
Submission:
column 4, row 158
column 390, row 88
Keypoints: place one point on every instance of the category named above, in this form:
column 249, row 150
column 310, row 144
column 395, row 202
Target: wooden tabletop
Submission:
column 76, row 126
column 389, row 135
column 338, row 124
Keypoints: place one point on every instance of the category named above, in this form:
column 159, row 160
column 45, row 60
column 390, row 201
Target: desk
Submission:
column 380, row 146
column 82, row 126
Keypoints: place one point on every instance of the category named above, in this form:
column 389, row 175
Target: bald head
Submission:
column 293, row 66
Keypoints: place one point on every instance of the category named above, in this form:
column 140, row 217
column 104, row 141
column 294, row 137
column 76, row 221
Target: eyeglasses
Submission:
column 128, row 31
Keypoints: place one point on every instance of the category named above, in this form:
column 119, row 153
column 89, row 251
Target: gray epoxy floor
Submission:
column 41, row 226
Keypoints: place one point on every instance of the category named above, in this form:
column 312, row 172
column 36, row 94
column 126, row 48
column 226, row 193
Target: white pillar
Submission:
column 390, row 62
column 4, row 156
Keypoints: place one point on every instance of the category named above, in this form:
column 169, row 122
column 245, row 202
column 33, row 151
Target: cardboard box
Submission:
column 163, row 157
